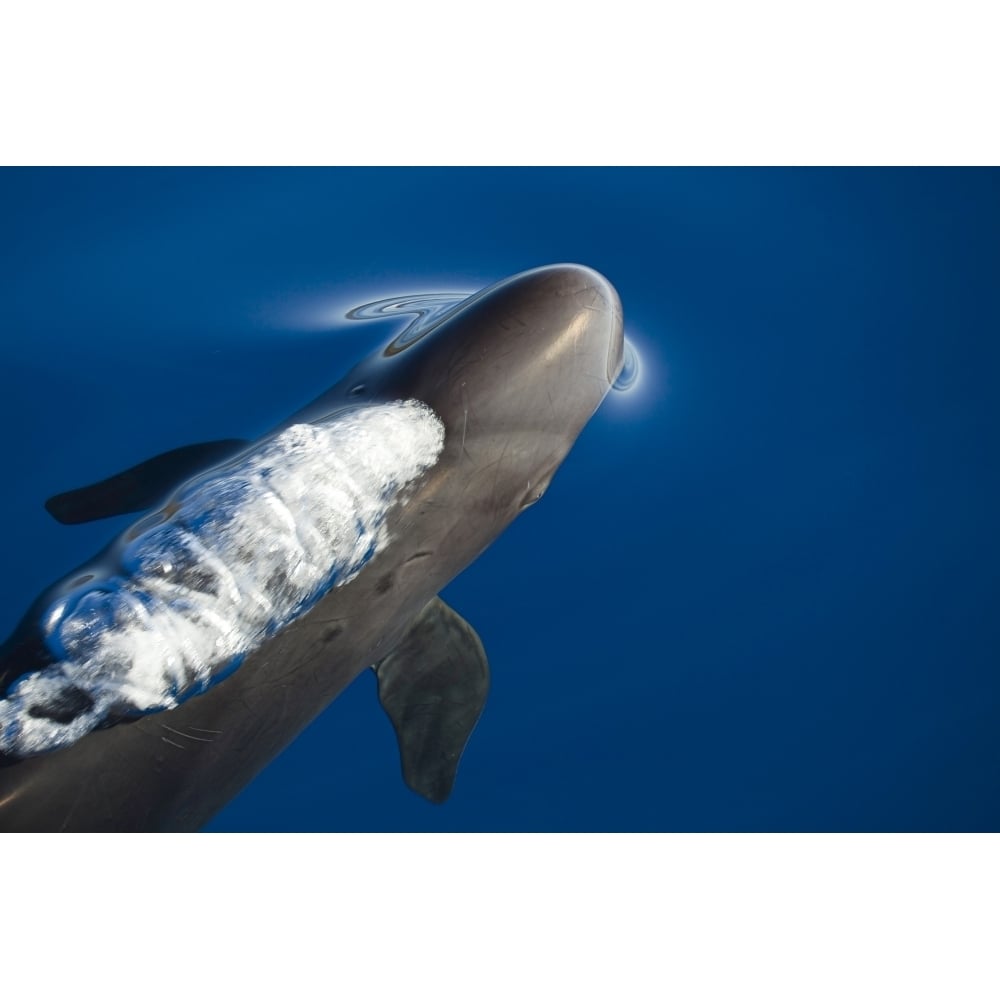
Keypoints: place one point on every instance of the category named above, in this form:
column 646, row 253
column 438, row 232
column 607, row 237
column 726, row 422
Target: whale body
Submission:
column 150, row 685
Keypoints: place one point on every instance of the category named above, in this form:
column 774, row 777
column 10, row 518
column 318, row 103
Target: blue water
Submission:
column 761, row 594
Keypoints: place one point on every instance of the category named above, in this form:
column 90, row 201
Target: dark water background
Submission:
column 761, row 594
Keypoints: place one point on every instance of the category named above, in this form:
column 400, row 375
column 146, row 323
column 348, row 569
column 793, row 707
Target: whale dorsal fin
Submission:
column 433, row 686
column 138, row 488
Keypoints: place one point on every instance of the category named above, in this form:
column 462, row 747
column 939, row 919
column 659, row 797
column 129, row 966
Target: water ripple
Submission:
column 629, row 374
column 429, row 308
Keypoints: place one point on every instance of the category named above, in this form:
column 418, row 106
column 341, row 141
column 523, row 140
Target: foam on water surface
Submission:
column 245, row 552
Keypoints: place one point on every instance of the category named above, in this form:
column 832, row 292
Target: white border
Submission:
column 530, row 81
column 536, row 83
column 497, row 916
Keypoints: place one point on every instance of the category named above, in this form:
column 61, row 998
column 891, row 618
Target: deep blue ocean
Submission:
column 761, row 594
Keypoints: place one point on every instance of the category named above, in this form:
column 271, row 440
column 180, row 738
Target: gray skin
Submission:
column 514, row 374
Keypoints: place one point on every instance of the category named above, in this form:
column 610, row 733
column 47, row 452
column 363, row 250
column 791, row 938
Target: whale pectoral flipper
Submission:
column 433, row 686
column 138, row 488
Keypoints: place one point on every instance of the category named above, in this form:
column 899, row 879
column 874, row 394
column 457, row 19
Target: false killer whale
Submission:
column 149, row 686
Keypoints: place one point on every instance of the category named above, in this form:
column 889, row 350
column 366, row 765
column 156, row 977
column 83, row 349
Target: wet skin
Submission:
column 514, row 374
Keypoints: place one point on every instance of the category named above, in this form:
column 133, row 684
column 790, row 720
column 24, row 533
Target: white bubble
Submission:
column 245, row 553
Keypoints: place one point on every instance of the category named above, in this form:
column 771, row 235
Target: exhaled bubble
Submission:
column 195, row 595
column 630, row 369
column 429, row 310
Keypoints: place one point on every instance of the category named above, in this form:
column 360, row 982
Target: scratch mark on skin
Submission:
column 72, row 809
column 196, row 729
column 186, row 736
column 423, row 554
column 465, row 423
column 499, row 463
column 172, row 743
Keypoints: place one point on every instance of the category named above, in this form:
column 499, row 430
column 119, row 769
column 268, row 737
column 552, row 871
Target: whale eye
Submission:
column 534, row 492
column 537, row 487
